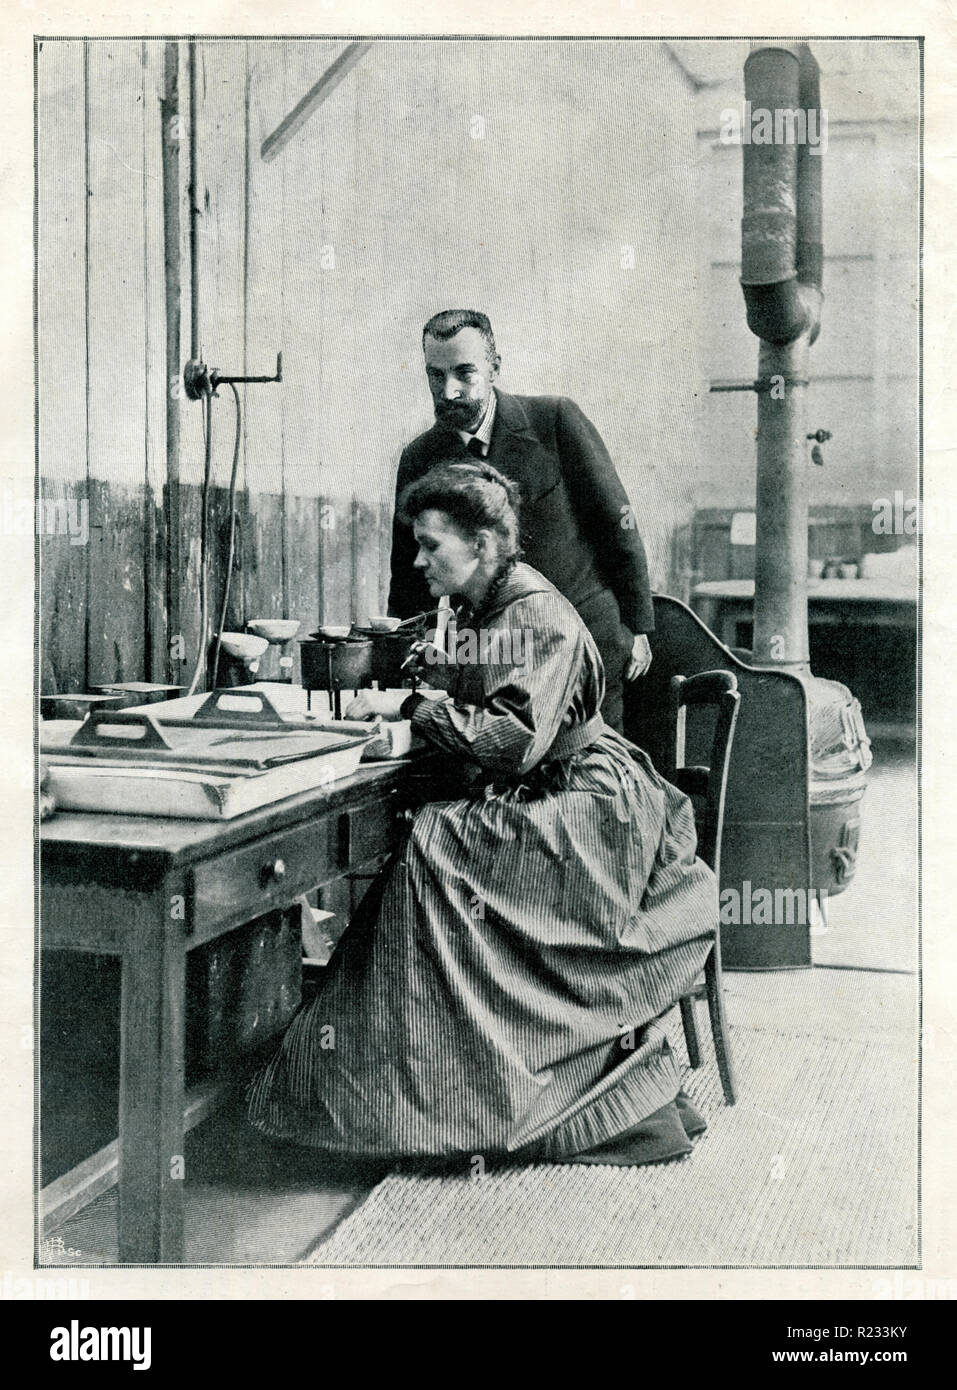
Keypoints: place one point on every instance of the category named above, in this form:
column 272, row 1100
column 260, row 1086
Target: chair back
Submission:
column 707, row 786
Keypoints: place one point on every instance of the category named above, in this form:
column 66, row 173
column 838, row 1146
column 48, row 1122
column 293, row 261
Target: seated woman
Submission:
column 499, row 991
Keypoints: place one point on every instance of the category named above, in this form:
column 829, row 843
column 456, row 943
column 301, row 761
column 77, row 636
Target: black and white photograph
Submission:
column 479, row 519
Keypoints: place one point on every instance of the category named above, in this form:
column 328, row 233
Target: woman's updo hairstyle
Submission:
column 475, row 496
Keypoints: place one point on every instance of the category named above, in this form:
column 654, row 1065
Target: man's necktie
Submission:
column 475, row 447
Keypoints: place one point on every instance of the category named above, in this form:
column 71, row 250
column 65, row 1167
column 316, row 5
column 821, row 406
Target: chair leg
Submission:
column 691, row 1032
column 719, row 1024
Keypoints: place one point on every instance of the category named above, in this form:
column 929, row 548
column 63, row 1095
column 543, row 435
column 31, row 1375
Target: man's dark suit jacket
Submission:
column 573, row 509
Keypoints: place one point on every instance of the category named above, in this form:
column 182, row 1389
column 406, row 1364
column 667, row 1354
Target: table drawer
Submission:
column 242, row 989
column 368, row 832
column 273, row 871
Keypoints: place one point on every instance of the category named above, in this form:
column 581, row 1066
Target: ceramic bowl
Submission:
column 243, row 645
column 379, row 622
column 335, row 629
column 274, row 629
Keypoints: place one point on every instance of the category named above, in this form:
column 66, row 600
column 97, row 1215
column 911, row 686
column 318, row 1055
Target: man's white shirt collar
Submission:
column 484, row 431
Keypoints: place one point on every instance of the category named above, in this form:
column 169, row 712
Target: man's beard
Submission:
column 460, row 415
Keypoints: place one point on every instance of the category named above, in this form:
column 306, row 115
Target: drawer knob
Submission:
column 273, row 872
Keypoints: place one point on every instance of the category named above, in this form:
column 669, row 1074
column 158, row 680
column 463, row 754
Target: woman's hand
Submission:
column 376, row 704
column 431, row 665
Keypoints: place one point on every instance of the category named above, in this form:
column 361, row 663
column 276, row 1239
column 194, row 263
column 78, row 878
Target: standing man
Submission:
column 577, row 525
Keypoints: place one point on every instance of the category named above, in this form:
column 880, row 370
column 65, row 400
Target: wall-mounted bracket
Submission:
column 762, row 385
column 199, row 381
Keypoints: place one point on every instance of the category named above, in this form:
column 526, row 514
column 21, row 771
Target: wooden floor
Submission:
column 247, row 1202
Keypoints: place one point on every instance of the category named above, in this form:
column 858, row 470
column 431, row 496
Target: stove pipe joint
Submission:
column 781, row 278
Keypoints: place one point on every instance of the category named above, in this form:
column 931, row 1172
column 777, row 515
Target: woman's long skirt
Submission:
column 498, row 992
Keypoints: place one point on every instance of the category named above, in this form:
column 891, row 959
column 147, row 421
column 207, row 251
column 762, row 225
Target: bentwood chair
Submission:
column 706, row 786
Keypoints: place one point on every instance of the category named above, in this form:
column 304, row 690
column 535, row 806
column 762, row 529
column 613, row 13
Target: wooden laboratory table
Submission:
column 150, row 890
column 722, row 604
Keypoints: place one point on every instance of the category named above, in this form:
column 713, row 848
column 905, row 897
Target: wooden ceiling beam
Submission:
column 317, row 94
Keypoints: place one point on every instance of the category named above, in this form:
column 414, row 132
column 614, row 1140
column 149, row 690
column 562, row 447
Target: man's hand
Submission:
column 640, row 658
column 376, row 704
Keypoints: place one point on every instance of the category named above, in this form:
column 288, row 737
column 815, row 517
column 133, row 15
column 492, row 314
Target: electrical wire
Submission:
column 204, row 548
column 232, row 535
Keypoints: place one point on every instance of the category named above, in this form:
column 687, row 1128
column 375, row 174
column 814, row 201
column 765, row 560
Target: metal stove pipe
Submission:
column 781, row 263
column 781, row 279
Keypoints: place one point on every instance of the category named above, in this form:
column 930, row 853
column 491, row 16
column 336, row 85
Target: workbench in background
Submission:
column 862, row 632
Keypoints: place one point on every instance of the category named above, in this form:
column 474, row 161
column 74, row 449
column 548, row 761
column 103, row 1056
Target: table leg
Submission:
column 151, row 1163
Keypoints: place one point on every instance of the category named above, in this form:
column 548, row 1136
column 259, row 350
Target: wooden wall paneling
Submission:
column 263, row 105
column 265, row 557
column 397, row 81
column 219, row 525
column 311, row 530
column 335, row 559
column 471, row 225
column 264, row 551
column 221, row 137
column 63, row 584
column 385, row 548
column 117, row 361
column 364, row 112
column 421, row 260
column 374, row 353
column 339, row 336
column 155, row 386
column 224, row 143
column 117, row 602
column 61, row 345
column 366, row 543
column 187, row 581
column 638, row 194
column 301, row 521
column 302, row 512
column 187, row 460
column 174, row 170
column 318, row 495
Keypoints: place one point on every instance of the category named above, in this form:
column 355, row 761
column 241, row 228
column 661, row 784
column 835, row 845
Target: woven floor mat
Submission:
column 815, row 1166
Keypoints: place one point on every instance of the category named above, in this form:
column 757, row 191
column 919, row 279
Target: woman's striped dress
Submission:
column 498, row 990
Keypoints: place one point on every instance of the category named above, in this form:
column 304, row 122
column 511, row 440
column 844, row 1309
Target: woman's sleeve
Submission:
column 524, row 702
